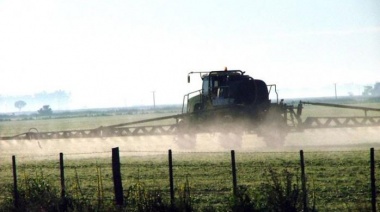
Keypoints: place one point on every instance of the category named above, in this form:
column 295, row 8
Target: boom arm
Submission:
column 343, row 106
column 341, row 122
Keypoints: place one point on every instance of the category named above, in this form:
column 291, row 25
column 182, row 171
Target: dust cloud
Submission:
column 339, row 139
column 309, row 140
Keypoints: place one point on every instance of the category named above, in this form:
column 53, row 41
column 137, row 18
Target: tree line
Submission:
column 372, row 90
column 58, row 99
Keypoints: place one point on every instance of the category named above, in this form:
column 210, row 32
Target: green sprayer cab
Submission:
column 238, row 101
column 229, row 89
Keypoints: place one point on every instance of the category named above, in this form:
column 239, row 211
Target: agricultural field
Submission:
column 81, row 120
column 337, row 163
column 336, row 180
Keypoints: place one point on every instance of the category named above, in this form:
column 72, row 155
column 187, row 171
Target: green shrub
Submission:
column 34, row 194
column 140, row 199
column 241, row 201
column 280, row 191
column 183, row 202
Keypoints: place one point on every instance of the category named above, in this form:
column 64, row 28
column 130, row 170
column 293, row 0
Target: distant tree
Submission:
column 372, row 91
column 45, row 110
column 376, row 89
column 57, row 98
column 367, row 90
column 20, row 104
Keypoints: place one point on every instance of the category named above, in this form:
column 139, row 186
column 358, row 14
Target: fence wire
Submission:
column 336, row 180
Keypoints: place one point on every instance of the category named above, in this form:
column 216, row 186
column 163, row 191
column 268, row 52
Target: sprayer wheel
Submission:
column 274, row 129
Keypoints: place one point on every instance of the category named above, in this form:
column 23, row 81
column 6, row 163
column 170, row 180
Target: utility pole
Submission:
column 154, row 99
column 336, row 96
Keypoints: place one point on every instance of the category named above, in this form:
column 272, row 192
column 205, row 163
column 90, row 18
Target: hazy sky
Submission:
column 115, row 53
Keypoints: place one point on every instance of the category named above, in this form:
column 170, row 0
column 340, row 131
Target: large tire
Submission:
column 274, row 129
column 229, row 132
column 275, row 138
column 185, row 136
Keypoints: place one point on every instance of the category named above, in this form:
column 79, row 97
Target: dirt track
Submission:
column 311, row 140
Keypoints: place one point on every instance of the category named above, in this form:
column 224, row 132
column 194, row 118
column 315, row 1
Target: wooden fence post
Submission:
column 303, row 181
column 373, row 179
column 63, row 187
column 118, row 186
column 62, row 174
column 15, row 189
column 234, row 178
column 171, row 179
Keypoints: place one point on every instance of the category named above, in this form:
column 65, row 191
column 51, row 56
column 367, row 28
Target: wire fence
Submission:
column 335, row 180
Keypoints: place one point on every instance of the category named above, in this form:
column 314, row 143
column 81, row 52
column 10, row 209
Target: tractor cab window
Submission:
column 219, row 87
column 211, row 85
column 215, row 85
column 220, row 91
column 223, row 92
column 205, row 86
column 217, row 90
